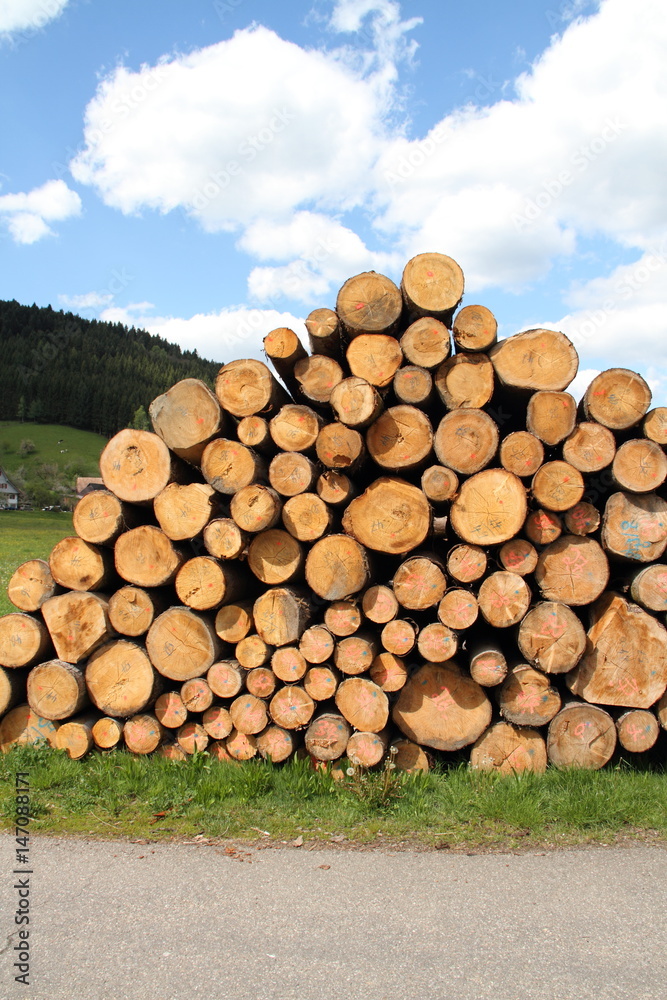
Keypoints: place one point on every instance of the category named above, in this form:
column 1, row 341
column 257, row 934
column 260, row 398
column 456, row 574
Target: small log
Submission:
column 187, row 417
column 637, row 730
column 551, row 416
column 234, row 621
column 366, row 749
column 413, row 386
column 254, row 433
column 76, row 736
column 24, row 640
column 390, row 516
column 295, row 427
column 107, row 732
column 337, row 566
column 342, row 618
column 617, row 398
column 543, row 527
column 184, row 511
column 21, row 725
column 379, row 604
column 374, row 357
column 143, row 734
column 355, row 654
column 527, row 698
column 398, row 637
column 218, row 750
column 291, row 473
column 275, row 557
column 572, row 570
column 355, row 402
column 249, row 714
column 170, row 750
column 369, row 303
column 363, row 704
column 56, row 690
column 182, row 644
column 223, row 539
column 327, row 736
column 635, row 527
column 582, row 519
column 625, row 662
column 247, row 387
column 78, row 623
column 441, row 707
column 100, row 517
column 334, row 488
column 581, row 736
column 535, row 359
column 196, row 694
column 31, row 584
column 490, row 508
column 306, row 517
column 432, row 285
column 320, row 682
column 439, row 483
column 225, row 678
column 252, row 652
column 78, row 565
column 284, row 350
column 137, row 465
column 420, row 582
column 291, row 707
column 518, row 556
column 488, row 665
column 340, row 447
column 217, row 722
column 317, row 377
column 323, row 328
column 255, row 508
column 288, row 664
column 466, row 563
column 557, row 486
column 145, row 557
column 508, row 749
column 458, row 609
column 316, row 645
column 276, row 744
column 12, row 688
column 504, row 598
column 239, row 746
column 389, row 672
column 426, row 343
column 204, row 583
column 261, row 682
column 475, row 329
column 281, row 615
column 466, row 380
column 654, row 426
column 170, row 710
column 228, row 466
column 466, row 440
column 437, row 643
column 133, row 610
column 192, row 737
column 521, row 453
column 639, row 466
column 409, row 757
column 590, row 447
column 649, row 587
column 552, row 638
column 121, row 680
column 400, row 439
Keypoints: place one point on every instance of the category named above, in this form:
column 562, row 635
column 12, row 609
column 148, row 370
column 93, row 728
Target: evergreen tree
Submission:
column 140, row 421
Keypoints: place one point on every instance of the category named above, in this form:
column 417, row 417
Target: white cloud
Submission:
column 27, row 215
column 89, row 300
column 581, row 382
column 28, row 15
column 221, row 336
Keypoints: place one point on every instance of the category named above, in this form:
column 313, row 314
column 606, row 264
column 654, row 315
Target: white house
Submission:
column 9, row 494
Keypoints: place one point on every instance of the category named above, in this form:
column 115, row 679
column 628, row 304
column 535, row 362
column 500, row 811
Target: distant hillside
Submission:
column 58, row 368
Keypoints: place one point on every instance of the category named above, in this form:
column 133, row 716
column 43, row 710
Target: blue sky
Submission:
column 211, row 170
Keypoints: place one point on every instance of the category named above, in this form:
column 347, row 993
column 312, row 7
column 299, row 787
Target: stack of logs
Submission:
column 387, row 545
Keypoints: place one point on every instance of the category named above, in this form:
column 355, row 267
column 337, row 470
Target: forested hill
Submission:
column 56, row 367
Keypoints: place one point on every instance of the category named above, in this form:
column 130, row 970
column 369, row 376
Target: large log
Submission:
column 466, row 380
column 442, row 707
column 12, row 688
column 234, row 621
column 535, row 359
column 295, row 427
column 184, row 511
column 187, row 417
column 369, row 303
column 572, row 570
column 100, row 517
column 137, row 465
column 639, row 466
column 316, row 377
column 76, row 736
column 508, row 749
column 374, row 357
column 521, row 453
column 551, row 416
column 390, row 516
column 31, row 584
column 247, row 387
column 552, row 638
column 21, row 725
column 56, row 690
column 307, row 517
column 182, row 644
column 24, row 640
column 475, row 329
column 466, row 440
column 635, row 527
column 504, row 598
column 291, row 473
column 337, row 566
column 420, row 582
column 145, row 557
column 557, row 486
column 363, row 704
column 426, row 343
column 355, row 402
column 617, row 398
column 527, row 698
column 590, row 447
column 78, row 565
column 637, row 729
column 281, row 615
column 224, row 539
column 432, row 285
column 225, row 679
column 228, row 465
column 582, row 736
column 275, row 557
column 133, row 610
column 400, row 439
column 340, row 447
column 121, row 680
column 490, row 508
column 355, row 654
column 204, row 583
column 78, row 624
column 327, row 736
column 649, row 587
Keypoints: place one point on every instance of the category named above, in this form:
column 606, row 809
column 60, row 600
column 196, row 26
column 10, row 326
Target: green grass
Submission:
column 83, row 448
column 118, row 795
column 27, row 534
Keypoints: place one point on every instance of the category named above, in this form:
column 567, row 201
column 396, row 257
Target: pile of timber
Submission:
column 391, row 542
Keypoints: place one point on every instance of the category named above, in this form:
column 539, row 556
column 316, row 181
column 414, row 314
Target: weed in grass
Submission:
column 376, row 790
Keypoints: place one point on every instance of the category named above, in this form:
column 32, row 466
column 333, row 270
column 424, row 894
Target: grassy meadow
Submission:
column 27, row 534
column 64, row 446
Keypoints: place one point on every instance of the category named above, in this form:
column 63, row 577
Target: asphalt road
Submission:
column 120, row 921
